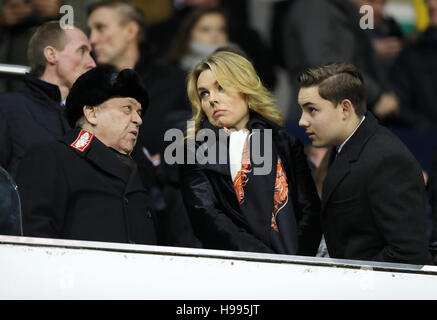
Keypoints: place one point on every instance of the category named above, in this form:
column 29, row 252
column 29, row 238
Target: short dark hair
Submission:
column 127, row 13
column 336, row 82
column 48, row 34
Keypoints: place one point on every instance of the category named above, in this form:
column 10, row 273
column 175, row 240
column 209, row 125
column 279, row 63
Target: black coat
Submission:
column 10, row 208
column 168, row 103
column 373, row 201
column 168, row 108
column 88, row 195
column 29, row 118
column 432, row 190
column 212, row 204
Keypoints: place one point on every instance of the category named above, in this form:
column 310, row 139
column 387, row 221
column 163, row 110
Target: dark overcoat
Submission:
column 28, row 118
column 373, row 200
column 83, row 195
column 217, row 218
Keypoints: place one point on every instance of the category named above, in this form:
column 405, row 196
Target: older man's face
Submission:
column 117, row 123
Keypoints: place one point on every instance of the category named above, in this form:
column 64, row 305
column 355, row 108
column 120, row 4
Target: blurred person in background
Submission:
column 57, row 58
column 414, row 77
column 321, row 31
column 387, row 36
column 239, row 33
column 18, row 20
column 202, row 32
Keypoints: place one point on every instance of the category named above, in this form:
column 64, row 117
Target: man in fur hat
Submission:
column 86, row 186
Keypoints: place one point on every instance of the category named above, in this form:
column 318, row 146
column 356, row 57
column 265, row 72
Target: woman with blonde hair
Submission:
column 235, row 200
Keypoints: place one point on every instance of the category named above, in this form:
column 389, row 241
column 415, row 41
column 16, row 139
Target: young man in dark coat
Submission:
column 86, row 186
column 373, row 198
column 57, row 58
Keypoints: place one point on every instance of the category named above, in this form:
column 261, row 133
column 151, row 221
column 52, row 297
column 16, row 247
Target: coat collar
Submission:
column 350, row 153
column 105, row 159
column 355, row 144
column 48, row 98
column 256, row 121
column 42, row 89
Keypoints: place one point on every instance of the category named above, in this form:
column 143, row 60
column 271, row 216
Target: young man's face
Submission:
column 108, row 35
column 322, row 120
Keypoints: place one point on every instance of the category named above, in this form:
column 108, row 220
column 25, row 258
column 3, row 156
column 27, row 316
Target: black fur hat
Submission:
column 100, row 84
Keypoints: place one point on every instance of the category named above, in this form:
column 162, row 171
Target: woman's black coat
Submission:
column 214, row 210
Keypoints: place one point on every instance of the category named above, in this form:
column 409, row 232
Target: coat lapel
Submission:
column 134, row 182
column 100, row 155
column 339, row 168
column 350, row 153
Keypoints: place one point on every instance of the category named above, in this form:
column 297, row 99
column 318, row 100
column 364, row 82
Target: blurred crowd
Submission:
column 398, row 66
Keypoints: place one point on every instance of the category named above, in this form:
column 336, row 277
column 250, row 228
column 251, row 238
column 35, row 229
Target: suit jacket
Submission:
column 217, row 218
column 373, row 201
column 89, row 195
column 28, row 118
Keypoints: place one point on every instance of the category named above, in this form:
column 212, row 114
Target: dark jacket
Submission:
column 88, row 195
column 217, row 219
column 29, row 118
column 432, row 191
column 168, row 108
column 373, row 201
column 414, row 78
column 10, row 207
column 168, row 103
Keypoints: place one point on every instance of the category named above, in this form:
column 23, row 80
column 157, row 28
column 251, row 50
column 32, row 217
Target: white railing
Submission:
column 34, row 268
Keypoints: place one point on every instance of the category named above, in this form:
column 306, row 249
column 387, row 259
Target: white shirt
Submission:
column 344, row 142
column 236, row 146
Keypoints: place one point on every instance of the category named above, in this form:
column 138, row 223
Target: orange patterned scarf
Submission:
column 280, row 198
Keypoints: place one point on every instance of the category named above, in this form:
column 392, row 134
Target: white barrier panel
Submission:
column 32, row 268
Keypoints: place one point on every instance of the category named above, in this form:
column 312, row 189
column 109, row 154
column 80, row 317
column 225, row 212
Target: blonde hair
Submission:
column 232, row 71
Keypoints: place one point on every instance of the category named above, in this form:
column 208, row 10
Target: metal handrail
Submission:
column 13, row 69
